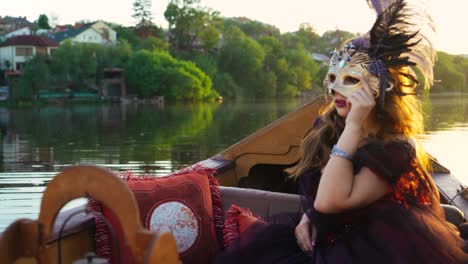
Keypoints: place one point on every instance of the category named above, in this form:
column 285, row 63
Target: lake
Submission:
column 39, row 142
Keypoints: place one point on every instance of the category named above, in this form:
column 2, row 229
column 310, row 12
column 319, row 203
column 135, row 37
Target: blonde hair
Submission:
column 401, row 116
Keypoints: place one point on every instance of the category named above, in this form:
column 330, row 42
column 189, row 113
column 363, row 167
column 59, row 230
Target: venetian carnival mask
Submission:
column 347, row 65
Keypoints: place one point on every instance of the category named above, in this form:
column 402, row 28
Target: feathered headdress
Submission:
column 400, row 38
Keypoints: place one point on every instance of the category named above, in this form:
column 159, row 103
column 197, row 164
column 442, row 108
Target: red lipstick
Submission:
column 340, row 103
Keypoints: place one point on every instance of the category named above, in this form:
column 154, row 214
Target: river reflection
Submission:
column 446, row 137
column 38, row 142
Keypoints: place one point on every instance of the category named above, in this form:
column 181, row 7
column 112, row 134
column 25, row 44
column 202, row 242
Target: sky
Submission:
column 323, row 15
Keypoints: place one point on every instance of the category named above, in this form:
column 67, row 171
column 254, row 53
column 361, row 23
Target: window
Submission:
column 105, row 34
column 24, row 51
column 41, row 51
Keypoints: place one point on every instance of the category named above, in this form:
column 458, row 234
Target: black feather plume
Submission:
column 401, row 36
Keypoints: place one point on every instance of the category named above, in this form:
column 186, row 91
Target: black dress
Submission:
column 405, row 226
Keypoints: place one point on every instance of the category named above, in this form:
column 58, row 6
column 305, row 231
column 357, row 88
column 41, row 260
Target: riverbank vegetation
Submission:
column 202, row 56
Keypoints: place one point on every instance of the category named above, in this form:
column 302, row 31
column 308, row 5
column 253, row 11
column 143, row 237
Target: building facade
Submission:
column 15, row 51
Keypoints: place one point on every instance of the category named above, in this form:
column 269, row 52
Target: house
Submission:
column 9, row 24
column 97, row 32
column 107, row 33
column 17, row 32
column 14, row 22
column 15, row 51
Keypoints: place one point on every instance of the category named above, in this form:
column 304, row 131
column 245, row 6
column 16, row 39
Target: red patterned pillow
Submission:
column 188, row 204
column 237, row 220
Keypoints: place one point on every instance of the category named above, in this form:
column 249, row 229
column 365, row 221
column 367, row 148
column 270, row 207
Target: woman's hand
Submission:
column 362, row 101
column 306, row 234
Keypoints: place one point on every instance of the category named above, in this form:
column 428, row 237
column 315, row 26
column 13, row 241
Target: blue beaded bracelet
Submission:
column 336, row 151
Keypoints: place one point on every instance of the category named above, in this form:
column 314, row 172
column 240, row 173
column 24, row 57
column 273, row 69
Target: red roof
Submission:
column 29, row 40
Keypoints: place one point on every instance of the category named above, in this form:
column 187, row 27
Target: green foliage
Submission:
column 79, row 66
column 35, row 77
column 192, row 27
column 207, row 62
column 242, row 59
column 225, row 85
column 448, row 77
column 265, row 84
column 461, row 64
column 305, row 37
column 272, row 48
column 43, row 22
column 233, row 34
column 291, row 41
column 75, row 64
column 252, row 28
column 301, row 69
column 158, row 73
column 281, row 69
column 126, row 33
column 153, row 43
column 333, row 39
column 308, row 37
column 210, row 37
column 7, row 64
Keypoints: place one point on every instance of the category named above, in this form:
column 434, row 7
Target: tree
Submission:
column 152, row 43
column 75, row 65
column 252, row 28
column 7, row 64
column 210, row 37
column 35, row 77
column 142, row 12
column 233, row 33
column 308, row 36
column 43, row 22
column 332, row 39
column 127, row 33
column 273, row 49
column 450, row 78
column 189, row 26
column 158, row 73
column 243, row 59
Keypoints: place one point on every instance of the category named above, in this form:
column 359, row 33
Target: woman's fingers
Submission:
column 314, row 235
column 361, row 97
column 365, row 86
column 303, row 237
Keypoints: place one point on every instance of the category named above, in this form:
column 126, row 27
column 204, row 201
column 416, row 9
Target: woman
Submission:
column 367, row 195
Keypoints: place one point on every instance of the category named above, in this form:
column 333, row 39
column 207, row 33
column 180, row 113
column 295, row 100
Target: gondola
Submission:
column 247, row 171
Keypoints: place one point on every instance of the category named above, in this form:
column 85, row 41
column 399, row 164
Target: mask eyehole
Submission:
column 331, row 78
column 349, row 80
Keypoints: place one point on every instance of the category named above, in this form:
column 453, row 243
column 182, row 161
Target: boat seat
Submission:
column 263, row 204
column 266, row 204
column 453, row 214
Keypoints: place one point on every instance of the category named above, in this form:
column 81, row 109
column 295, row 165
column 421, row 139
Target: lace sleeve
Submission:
column 396, row 162
column 388, row 161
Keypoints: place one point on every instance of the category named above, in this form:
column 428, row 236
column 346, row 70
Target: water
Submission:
column 36, row 143
column 446, row 137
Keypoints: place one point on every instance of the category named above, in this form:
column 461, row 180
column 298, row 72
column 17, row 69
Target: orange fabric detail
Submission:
column 245, row 221
column 237, row 220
